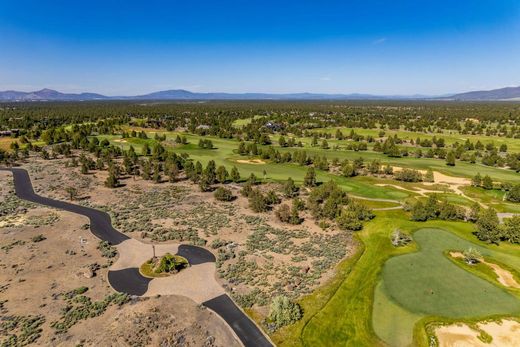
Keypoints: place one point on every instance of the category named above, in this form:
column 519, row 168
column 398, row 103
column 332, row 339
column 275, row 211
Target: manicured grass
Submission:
column 340, row 313
column 245, row 121
column 147, row 271
column 223, row 154
column 493, row 198
column 428, row 283
column 378, row 204
column 392, row 322
column 456, row 199
column 484, row 195
column 450, row 137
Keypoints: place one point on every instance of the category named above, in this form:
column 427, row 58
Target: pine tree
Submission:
column 488, row 228
column 222, row 174
column 487, row 182
column 290, row 189
column 310, row 178
column 476, row 181
column 235, row 175
column 146, row 150
column 111, row 181
column 450, row 158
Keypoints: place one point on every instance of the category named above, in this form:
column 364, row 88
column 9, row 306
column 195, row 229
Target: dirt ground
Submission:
column 254, row 251
column 46, row 254
column 159, row 321
column 504, row 334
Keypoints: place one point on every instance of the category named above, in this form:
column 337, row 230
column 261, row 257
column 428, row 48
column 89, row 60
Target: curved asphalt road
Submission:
column 129, row 280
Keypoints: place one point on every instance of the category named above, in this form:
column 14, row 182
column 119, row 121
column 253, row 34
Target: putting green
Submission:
column 426, row 282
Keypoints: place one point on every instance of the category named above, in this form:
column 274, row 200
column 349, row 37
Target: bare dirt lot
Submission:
column 53, row 289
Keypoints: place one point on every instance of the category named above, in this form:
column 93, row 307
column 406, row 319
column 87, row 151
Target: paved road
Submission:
column 246, row 330
column 129, row 280
column 100, row 223
column 502, row 215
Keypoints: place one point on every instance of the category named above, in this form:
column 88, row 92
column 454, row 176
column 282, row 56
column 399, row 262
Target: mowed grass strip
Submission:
column 346, row 318
column 428, row 283
column 223, row 154
column 392, row 323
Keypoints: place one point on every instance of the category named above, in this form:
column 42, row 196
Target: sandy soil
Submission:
column 420, row 191
column 453, row 183
column 34, row 275
column 504, row 334
column 160, row 321
column 250, row 161
column 214, row 220
column 441, row 178
column 505, row 277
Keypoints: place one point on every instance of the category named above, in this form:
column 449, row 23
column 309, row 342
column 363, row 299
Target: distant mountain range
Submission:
column 510, row 93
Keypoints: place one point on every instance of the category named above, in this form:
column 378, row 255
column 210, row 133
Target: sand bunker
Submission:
column 120, row 140
column 454, row 183
column 504, row 334
column 450, row 180
column 441, row 178
column 420, row 191
column 250, row 161
column 505, row 277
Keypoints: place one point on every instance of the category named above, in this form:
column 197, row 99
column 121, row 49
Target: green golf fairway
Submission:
column 428, row 283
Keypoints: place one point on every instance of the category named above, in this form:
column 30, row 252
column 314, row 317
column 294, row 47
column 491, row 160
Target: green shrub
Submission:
column 284, row 312
column 171, row 263
column 106, row 249
column 223, row 194
column 38, row 238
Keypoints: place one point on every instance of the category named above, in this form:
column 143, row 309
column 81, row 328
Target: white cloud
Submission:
column 379, row 41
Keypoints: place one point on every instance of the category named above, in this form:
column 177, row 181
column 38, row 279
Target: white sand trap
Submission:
column 251, row 161
column 504, row 334
column 120, row 140
column 505, row 277
column 450, row 180
column 454, row 183
column 420, row 191
column 441, row 178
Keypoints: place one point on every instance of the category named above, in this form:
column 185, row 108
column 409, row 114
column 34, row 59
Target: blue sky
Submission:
column 381, row 47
